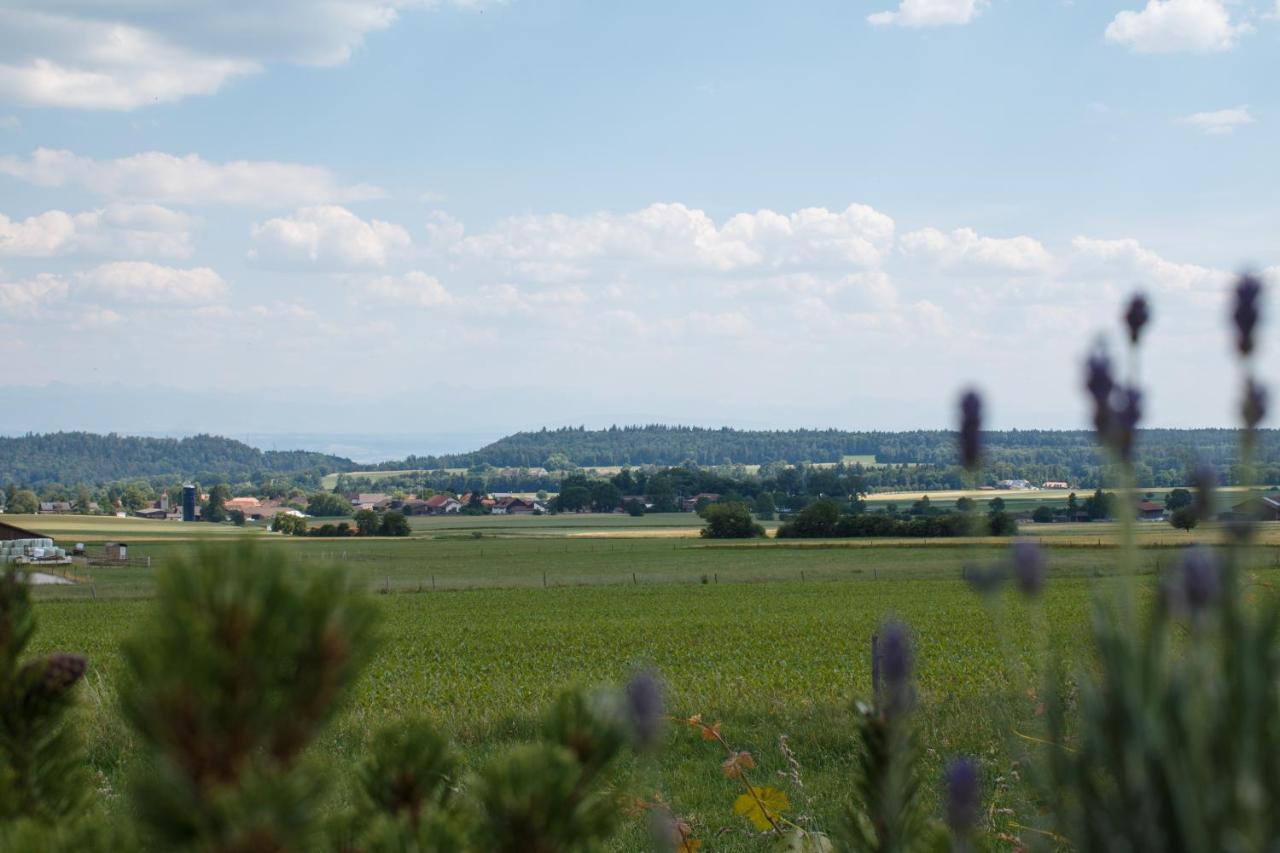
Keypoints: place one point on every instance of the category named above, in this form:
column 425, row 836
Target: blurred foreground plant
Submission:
column 239, row 667
column 45, row 784
column 1174, row 740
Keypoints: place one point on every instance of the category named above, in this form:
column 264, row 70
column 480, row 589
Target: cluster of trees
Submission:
column 826, row 518
column 37, row 460
column 730, row 521
column 366, row 523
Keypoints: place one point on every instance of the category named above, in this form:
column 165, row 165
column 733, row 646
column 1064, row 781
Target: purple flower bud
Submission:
column 1028, row 567
column 1245, row 314
column 963, row 795
column 644, row 707
column 1254, row 407
column 984, row 580
column 895, row 668
column 1136, row 316
column 1124, row 421
column 1099, row 383
column 970, row 430
column 1206, row 481
column 62, row 670
column 1196, row 583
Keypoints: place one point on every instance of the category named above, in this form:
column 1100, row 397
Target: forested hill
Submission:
column 82, row 457
column 673, row 445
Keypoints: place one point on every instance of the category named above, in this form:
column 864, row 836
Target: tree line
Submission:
column 39, row 460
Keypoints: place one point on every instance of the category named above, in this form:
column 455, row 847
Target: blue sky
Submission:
column 462, row 214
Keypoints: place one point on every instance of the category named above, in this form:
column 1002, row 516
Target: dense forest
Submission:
column 531, row 461
column 905, row 460
column 81, row 457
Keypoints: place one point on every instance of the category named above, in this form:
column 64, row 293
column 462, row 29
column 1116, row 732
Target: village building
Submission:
column 1149, row 511
column 691, row 504
column 1259, row 508
column 512, row 505
column 442, row 504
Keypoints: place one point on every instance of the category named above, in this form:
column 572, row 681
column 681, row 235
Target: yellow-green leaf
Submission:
column 764, row 809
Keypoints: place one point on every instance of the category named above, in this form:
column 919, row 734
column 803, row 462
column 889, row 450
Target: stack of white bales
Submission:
column 37, row 549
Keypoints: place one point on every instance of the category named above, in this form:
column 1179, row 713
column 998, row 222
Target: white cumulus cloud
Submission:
column 119, row 56
column 147, row 283
column 154, row 176
column 1128, row 260
column 555, row 247
column 930, row 13
column 27, row 296
column 117, row 229
column 1219, row 122
column 965, row 250
column 327, row 236
column 1177, row 26
column 416, row 289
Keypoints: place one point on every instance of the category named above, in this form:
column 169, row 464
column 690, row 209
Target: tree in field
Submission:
column 575, row 498
column 1042, row 515
column 999, row 522
column 730, row 521
column 1073, row 506
column 817, row 519
column 966, row 504
column 634, row 508
column 605, row 496
column 23, row 502
column 1184, row 518
column 765, row 507
column 1177, row 499
column 215, row 509
column 83, row 499
column 1100, row 505
column 328, row 505
column 367, row 523
column 394, row 524
column 663, row 494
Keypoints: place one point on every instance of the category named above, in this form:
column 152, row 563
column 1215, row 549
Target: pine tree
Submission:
column 240, row 667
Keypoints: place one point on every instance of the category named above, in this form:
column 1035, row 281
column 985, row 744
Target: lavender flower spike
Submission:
column 1196, row 583
column 1254, row 407
column 1136, row 316
column 1100, row 384
column 896, row 665
column 644, row 707
column 1028, row 567
column 963, row 794
column 970, row 430
column 1206, row 482
column 1126, row 414
column 1245, row 314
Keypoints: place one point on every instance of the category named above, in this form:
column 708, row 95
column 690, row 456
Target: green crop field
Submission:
column 486, row 619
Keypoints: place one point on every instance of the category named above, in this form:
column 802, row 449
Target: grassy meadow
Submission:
column 486, row 619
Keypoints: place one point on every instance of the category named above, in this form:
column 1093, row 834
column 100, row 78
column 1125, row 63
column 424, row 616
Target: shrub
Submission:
column 730, row 521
